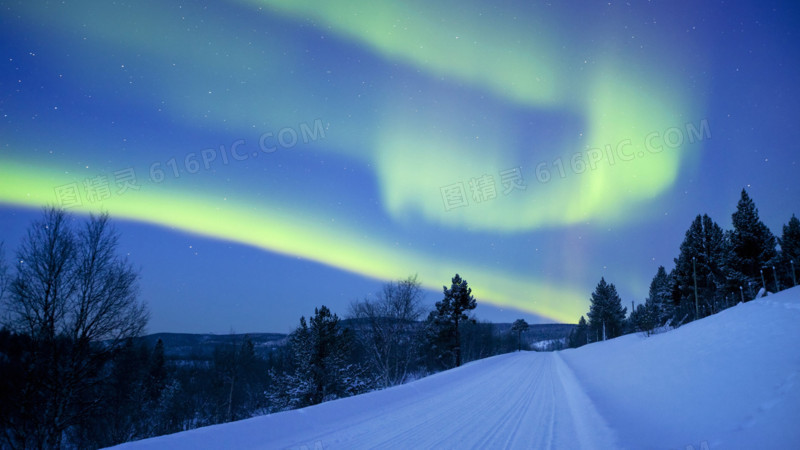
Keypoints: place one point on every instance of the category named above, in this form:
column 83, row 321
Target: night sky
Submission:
column 261, row 158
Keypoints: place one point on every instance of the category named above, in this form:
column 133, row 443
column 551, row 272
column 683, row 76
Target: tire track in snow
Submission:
column 520, row 400
column 525, row 400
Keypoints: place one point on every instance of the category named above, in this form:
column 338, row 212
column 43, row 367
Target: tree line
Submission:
column 75, row 372
column 714, row 270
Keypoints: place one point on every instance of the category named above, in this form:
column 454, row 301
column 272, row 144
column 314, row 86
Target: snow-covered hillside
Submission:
column 731, row 380
column 727, row 381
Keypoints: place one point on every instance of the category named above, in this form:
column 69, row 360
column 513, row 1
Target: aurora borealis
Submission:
column 533, row 148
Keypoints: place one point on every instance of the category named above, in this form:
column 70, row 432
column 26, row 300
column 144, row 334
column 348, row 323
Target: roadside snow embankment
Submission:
column 727, row 381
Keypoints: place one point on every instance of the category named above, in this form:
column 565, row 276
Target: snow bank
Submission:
column 726, row 381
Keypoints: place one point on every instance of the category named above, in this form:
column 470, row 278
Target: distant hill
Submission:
column 201, row 346
column 539, row 332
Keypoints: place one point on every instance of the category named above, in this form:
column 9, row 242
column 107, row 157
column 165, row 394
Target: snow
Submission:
column 727, row 381
column 546, row 344
column 517, row 400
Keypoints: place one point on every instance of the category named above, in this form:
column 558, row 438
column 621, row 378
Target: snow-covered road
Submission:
column 518, row 400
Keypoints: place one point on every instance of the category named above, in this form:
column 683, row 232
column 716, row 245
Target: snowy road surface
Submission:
column 518, row 400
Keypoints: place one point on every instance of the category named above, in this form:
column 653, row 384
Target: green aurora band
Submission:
column 493, row 55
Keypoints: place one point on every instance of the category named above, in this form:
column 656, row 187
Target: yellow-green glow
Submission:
column 621, row 114
column 270, row 228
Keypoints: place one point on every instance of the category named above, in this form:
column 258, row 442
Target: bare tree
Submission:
column 106, row 307
column 390, row 323
column 76, row 301
column 44, row 280
column 520, row 326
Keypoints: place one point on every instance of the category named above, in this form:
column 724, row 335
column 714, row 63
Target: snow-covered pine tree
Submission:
column 606, row 314
column 322, row 371
column 752, row 245
column 790, row 253
column 644, row 318
column 659, row 298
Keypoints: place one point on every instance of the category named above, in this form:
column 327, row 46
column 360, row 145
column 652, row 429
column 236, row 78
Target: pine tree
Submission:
column 644, row 318
column 659, row 298
column 702, row 262
column 122, row 416
column 579, row 335
column 321, row 350
column 450, row 312
column 606, row 314
column 330, row 345
column 157, row 372
column 790, row 253
column 438, row 348
column 752, row 244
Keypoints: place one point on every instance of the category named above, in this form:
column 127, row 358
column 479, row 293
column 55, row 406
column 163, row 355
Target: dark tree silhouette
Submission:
column 790, row 252
column 606, row 314
column 76, row 301
column 752, row 244
column 451, row 311
column 519, row 326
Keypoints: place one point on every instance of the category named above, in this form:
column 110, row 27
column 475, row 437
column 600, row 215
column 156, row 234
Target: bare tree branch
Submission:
column 390, row 321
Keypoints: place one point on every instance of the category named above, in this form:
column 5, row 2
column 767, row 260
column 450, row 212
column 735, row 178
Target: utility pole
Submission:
column 694, row 272
column 794, row 279
column 775, row 274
